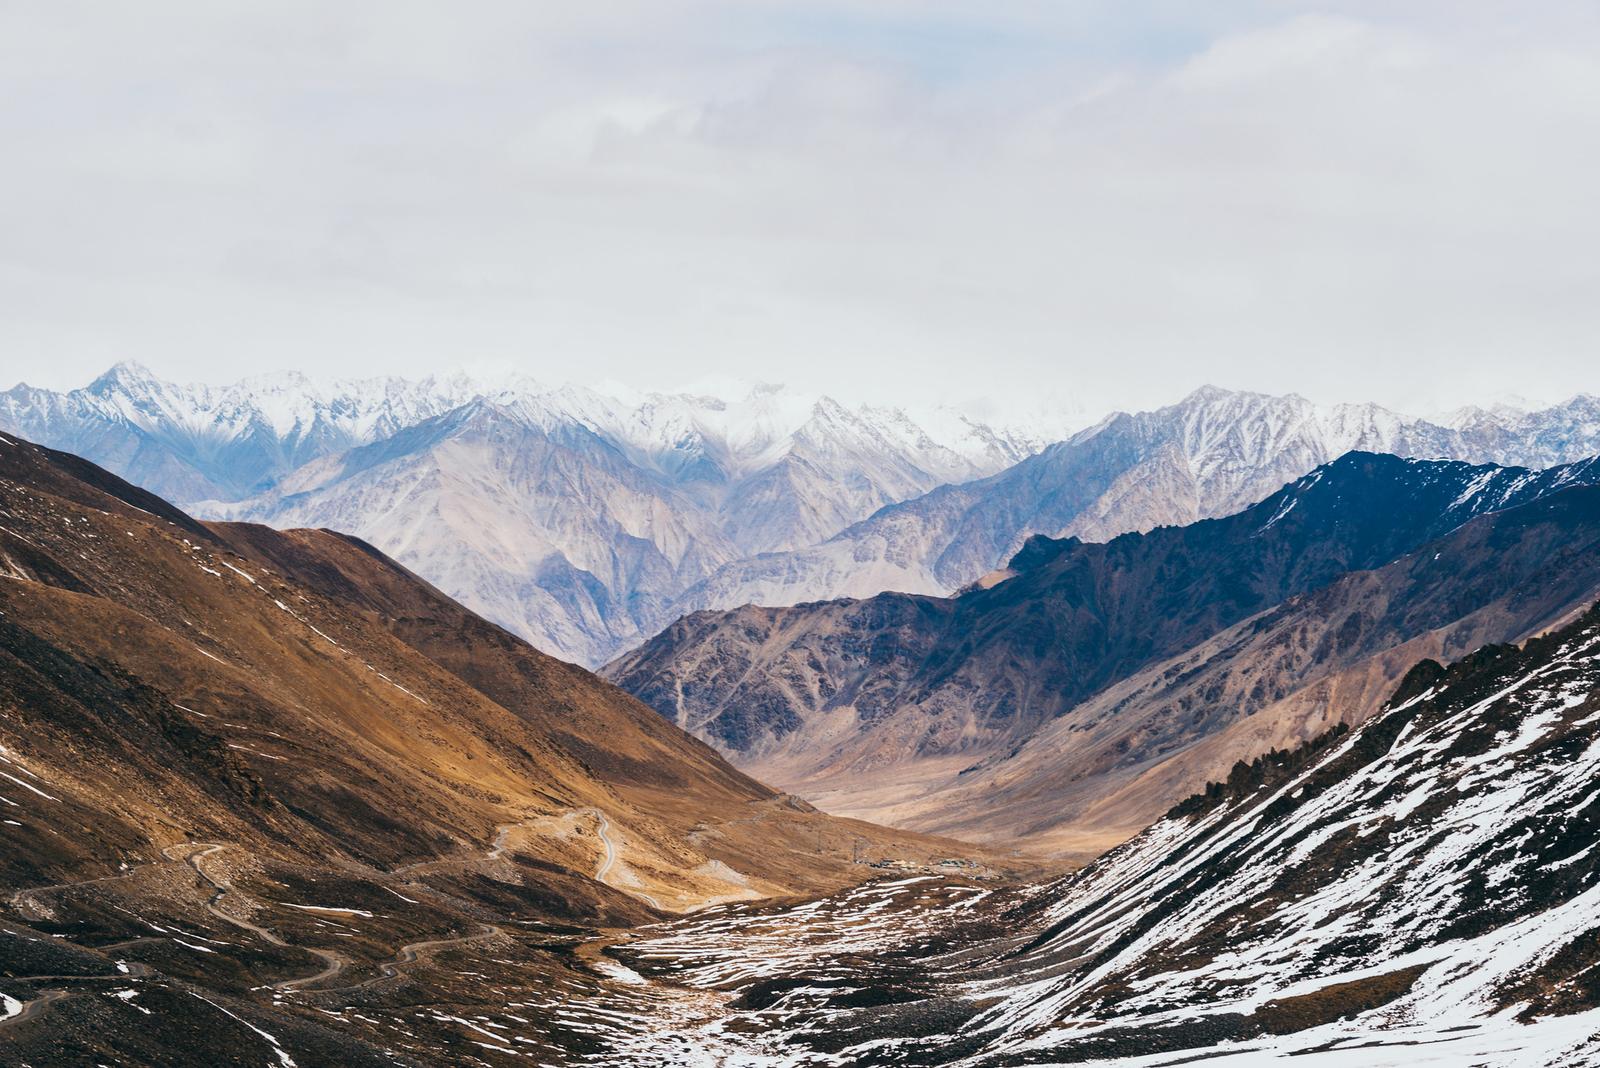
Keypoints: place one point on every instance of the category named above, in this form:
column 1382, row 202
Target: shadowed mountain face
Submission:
column 241, row 767
column 1211, row 454
column 585, row 523
column 563, row 527
column 1424, row 888
column 1010, row 710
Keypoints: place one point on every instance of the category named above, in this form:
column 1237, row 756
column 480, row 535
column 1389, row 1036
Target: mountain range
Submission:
column 1070, row 702
column 1209, row 455
column 1422, row 889
column 570, row 516
column 586, row 523
column 268, row 795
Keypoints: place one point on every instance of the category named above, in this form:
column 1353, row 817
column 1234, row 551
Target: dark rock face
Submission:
column 1077, row 616
column 1088, row 614
column 1272, row 768
column 984, row 672
column 1429, row 879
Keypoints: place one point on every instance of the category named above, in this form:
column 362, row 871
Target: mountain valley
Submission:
column 1068, row 705
column 252, row 777
column 587, row 523
column 792, row 535
column 1309, row 777
column 1421, row 889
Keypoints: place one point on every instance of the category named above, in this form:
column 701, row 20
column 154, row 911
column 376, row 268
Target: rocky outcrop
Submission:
column 1423, row 886
column 1098, row 671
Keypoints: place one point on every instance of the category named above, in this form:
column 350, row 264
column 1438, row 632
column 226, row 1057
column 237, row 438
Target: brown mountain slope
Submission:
column 1113, row 764
column 358, row 690
column 235, row 760
column 1027, row 710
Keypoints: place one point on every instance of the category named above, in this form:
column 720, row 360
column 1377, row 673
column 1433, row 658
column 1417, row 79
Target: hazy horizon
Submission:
column 1062, row 412
column 1107, row 203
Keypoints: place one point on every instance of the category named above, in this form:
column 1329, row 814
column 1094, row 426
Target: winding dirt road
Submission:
column 411, row 953
column 33, row 1008
column 23, row 900
column 192, row 853
column 499, row 846
column 610, row 859
column 334, row 962
column 605, row 840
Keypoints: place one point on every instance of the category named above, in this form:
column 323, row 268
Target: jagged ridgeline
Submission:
column 569, row 516
column 1272, row 767
column 1429, row 881
column 1068, row 704
column 585, row 523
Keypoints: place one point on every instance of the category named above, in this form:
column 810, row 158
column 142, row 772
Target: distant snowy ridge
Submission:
column 1211, row 454
column 573, row 516
column 634, row 508
column 195, row 442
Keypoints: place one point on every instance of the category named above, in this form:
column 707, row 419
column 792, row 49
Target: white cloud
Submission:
column 1306, row 45
column 882, row 199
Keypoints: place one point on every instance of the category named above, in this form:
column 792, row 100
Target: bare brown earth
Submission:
column 1103, row 771
column 242, row 768
column 1065, row 706
column 1283, row 678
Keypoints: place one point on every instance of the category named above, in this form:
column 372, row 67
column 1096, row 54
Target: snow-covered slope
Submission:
column 776, row 469
column 1439, row 865
column 1425, row 889
column 583, row 555
column 193, row 442
column 805, row 498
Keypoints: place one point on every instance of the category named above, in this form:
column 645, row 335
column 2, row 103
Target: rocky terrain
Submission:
column 570, row 516
column 1072, row 702
column 1422, row 889
column 268, row 798
column 1211, row 454
column 586, row 522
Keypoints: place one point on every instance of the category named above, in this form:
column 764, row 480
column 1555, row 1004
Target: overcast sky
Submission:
column 894, row 199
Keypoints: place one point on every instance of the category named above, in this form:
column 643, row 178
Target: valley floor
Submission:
column 924, row 969
column 209, row 954
column 903, row 972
